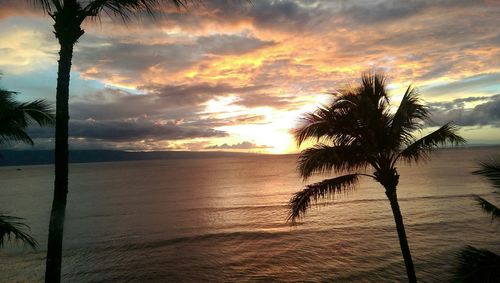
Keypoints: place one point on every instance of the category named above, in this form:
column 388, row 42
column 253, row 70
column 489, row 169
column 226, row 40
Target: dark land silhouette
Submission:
column 37, row 157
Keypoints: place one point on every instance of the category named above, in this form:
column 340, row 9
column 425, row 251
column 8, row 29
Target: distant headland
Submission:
column 39, row 157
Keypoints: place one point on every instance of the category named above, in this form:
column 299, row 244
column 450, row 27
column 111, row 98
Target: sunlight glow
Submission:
column 225, row 82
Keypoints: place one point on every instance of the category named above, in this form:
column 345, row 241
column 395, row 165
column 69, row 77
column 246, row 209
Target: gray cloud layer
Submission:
column 486, row 113
column 431, row 38
column 242, row 145
column 111, row 57
column 165, row 113
column 195, row 94
column 130, row 130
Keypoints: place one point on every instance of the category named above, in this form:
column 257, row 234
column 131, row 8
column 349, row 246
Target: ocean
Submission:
column 224, row 220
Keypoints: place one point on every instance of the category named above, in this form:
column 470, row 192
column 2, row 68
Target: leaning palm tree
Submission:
column 481, row 265
column 15, row 117
column 358, row 130
column 68, row 16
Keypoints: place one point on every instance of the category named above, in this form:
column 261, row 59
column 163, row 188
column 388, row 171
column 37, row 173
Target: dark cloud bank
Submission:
column 486, row 113
column 242, row 145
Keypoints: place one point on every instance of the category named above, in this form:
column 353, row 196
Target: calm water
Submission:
column 223, row 220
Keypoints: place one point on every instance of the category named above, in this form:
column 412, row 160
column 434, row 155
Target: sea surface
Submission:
column 224, row 220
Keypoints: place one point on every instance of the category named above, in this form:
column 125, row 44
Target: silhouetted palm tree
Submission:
column 12, row 228
column 15, row 117
column 481, row 265
column 477, row 266
column 491, row 171
column 358, row 130
column 68, row 16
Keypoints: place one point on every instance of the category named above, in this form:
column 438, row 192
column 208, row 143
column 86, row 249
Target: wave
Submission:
column 342, row 201
column 136, row 242
column 211, row 237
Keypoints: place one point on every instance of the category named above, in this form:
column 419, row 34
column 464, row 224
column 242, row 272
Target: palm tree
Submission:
column 68, row 16
column 11, row 226
column 477, row 266
column 358, row 130
column 15, row 117
column 481, row 265
column 491, row 171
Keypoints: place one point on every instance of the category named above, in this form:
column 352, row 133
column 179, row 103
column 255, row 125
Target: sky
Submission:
column 236, row 76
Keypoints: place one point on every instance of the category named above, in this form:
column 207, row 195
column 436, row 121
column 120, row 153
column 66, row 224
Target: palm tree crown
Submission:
column 68, row 15
column 16, row 116
column 358, row 130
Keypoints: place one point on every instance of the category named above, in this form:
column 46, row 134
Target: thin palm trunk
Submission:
column 358, row 130
column 57, row 215
column 68, row 16
column 403, row 242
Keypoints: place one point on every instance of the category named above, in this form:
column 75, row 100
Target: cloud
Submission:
column 162, row 113
column 170, row 102
column 263, row 14
column 127, row 62
column 132, row 130
column 372, row 12
column 114, row 104
column 197, row 93
column 264, row 100
column 232, row 64
column 249, row 119
column 138, row 130
column 17, row 8
column 242, row 145
column 476, row 83
column 230, row 44
column 486, row 113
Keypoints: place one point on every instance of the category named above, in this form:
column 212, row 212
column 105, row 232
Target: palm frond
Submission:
column 326, row 122
column 14, row 133
column 420, row 149
column 15, row 117
column 324, row 158
column 491, row 171
column 372, row 92
column 301, row 201
column 125, row 9
column 406, row 120
column 46, row 4
column 477, row 265
column 11, row 228
column 314, row 125
column 6, row 96
column 38, row 111
column 488, row 207
column 374, row 84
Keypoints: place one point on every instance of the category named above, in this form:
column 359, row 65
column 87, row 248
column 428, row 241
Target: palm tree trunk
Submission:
column 56, row 226
column 403, row 242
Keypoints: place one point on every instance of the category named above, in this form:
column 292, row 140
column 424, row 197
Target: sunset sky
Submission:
column 234, row 76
